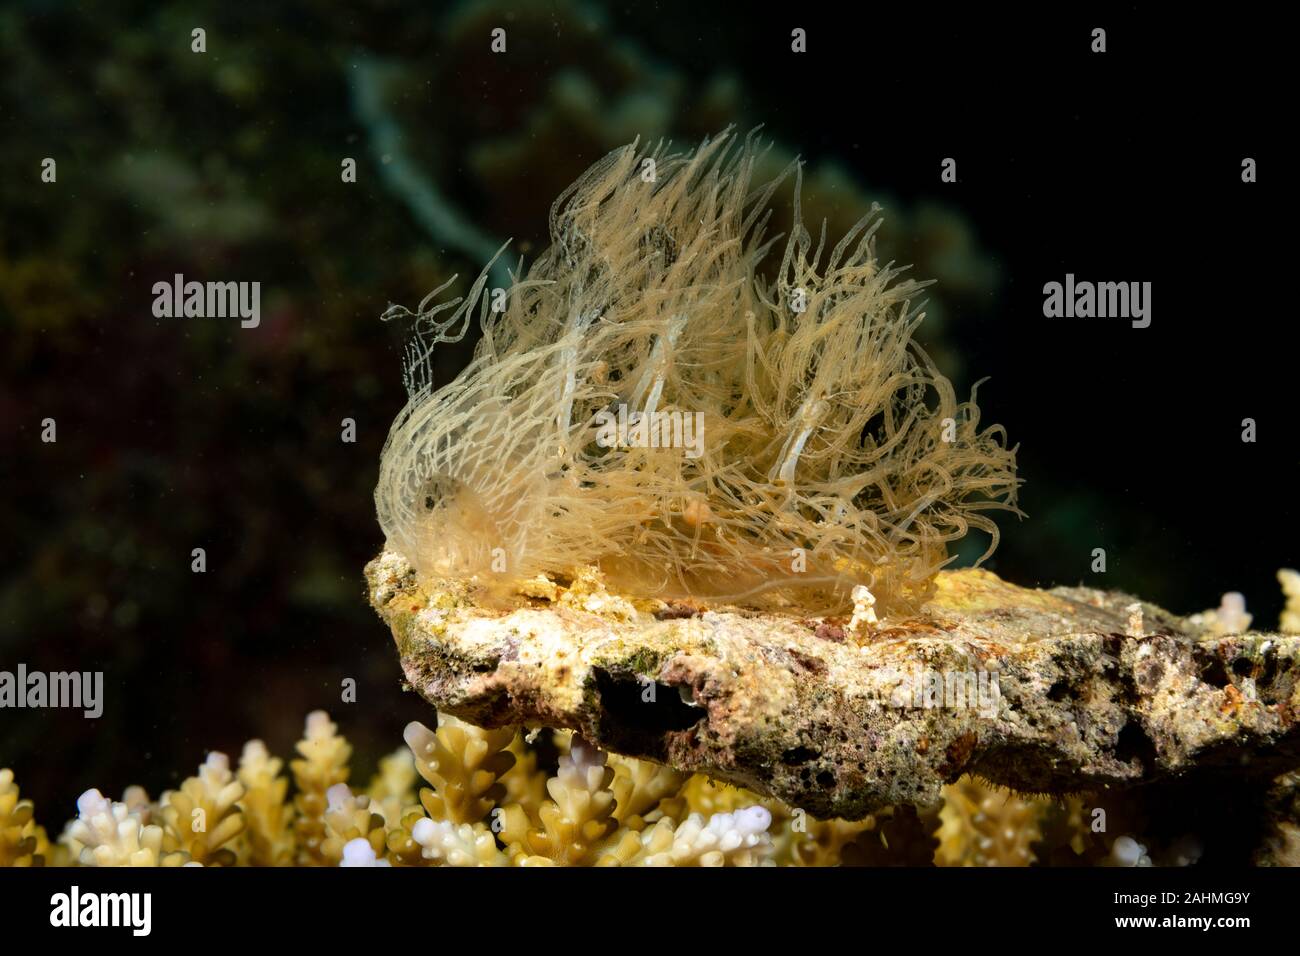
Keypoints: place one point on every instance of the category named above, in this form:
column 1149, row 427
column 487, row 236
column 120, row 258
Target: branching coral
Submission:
column 489, row 804
column 1290, row 581
column 268, row 839
column 465, row 765
column 982, row 827
column 454, row 844
column 1281, row 846
column 393, row 788
column 778, row 429
column 201, row 817
column 797, row 838
column 107, row 833
column 639, row 787
column 525, row 784
column 1230, row 617
column 898, row 836
column 350, row 818
column 22, row 842
column 322, row 764
column 738, row 839
column 198, row 825
column 577, row 819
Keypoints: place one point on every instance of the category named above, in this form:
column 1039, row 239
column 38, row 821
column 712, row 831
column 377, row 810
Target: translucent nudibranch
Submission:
column 696, row 408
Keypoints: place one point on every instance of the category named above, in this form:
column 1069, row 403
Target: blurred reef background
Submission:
column 175, row 434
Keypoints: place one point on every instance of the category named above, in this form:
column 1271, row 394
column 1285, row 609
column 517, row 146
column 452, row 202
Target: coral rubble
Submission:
column 1039, row 691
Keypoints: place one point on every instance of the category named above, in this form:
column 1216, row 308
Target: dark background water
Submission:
column 183, row 433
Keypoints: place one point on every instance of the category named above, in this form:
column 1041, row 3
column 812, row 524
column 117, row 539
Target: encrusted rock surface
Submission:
column 1046, row 691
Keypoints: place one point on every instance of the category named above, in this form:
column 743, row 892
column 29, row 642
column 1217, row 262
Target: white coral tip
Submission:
column 318, row 725
column 423, row 831
column 92, row 802
column 1126, row 851
column 217, row 761
column 359, row 852
column 417, row 736
column 752, row 820
column 255, row 750
column 583, row 754
column 338, row 796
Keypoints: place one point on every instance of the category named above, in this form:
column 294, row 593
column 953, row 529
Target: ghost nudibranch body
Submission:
column 661, row 396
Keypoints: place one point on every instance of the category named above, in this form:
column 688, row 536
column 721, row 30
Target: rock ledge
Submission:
column 1043, row 691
